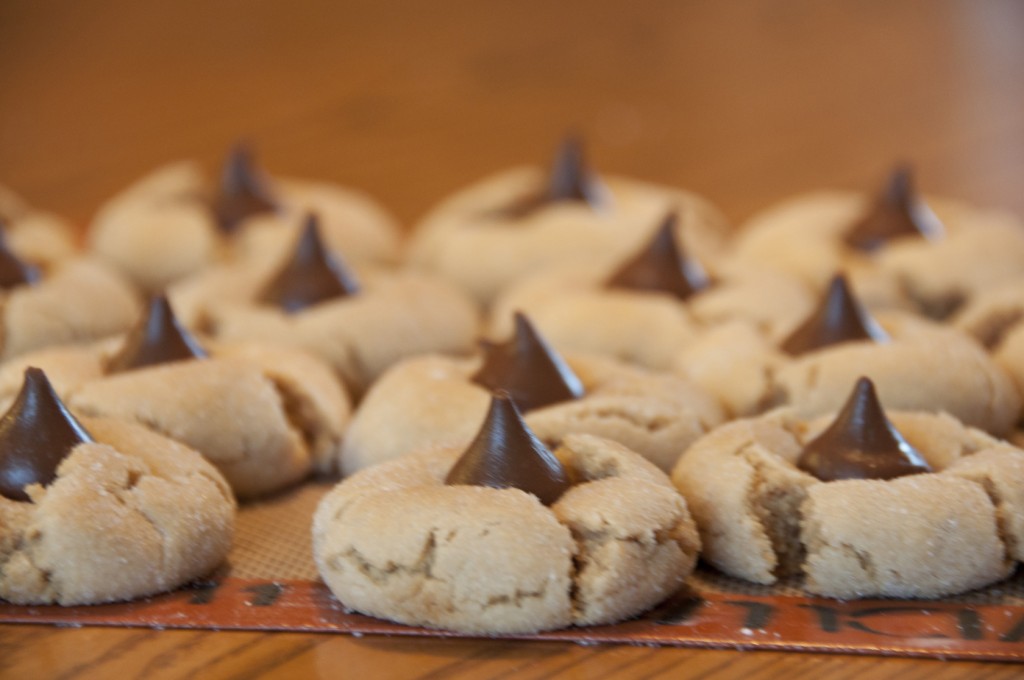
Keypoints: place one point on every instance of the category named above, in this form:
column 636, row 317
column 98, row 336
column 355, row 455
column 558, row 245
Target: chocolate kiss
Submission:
column 158, row 338
column 838, row 318
column 662, row 266
column 528, row 369
column 13, row 270
column 243, row 191
column 897, row 212
column 861, row 443
column 36, row 434
column 311, row 275
column 568, row 180
column 506, row 454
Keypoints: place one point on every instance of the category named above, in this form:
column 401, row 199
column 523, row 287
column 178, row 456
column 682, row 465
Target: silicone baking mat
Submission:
column 271, row 583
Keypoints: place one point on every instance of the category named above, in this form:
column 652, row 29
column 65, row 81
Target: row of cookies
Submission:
column 572, row 199
column 856, row 503
column 849, row 501
column 510, row 227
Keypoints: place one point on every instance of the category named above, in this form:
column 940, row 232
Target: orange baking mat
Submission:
column 271, row 583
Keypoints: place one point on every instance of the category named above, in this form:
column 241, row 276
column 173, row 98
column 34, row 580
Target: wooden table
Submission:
column 745, row 103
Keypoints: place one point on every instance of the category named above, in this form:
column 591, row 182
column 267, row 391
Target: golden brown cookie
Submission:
column 924, row 367
column 575, row 308
column 916, row 364
column 125, row 513
column 78, row 301
column 360, row 321
column 394, row 541
column 173, row 222
column 966, row 249
column 504, row 227
column 264, row 416
column 923, row 535
column 432, row 401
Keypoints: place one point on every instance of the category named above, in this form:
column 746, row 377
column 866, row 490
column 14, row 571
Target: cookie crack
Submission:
column 652, row 424
column 127, row 498
column 1003, row 530
column 298, row 411
column 589, row 556
column 864, row 560
column 25, row 546
column 218, row 483
column 777, row 510
column 516, row 599
column 381, row 575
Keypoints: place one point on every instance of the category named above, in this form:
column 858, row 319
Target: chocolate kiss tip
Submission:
column 311, row 275
column 505, row 454
column 899, row 189
column 529, row 369
column 897, row 212
column 13, row 270
column 838, row 318
column 158, row 338
column 36, row 434
column 243, row 191
column 568, row 180
column 861, row 443
column 662, row 266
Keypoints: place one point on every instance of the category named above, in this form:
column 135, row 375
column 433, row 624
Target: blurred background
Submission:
column 745, row 102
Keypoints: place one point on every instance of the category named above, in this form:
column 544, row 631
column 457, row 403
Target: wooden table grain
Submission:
column 745, row 102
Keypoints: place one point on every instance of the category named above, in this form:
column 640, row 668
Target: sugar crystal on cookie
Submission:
column 158, row 338
column 662, row 266
column 528, row 368
column 505, row 453
column 839, row 317
column 311, row 275
column 896, row 213
column 243, row 191
column 13, row 270
column 861, row 443
column 36, row 434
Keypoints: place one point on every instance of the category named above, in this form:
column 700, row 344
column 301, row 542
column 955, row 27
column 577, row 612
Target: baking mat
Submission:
column 270, row 583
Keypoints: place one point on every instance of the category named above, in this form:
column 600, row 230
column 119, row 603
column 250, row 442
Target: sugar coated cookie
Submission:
column 857, row 504
column 100, row 510
column 449, row 539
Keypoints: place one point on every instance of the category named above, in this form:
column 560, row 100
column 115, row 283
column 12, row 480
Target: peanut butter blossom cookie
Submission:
column 492, row 233
column 172, row 223
column 359, row 321
column 264, row 416
column 99, row 510
column 504, row 535
column 916, row 364
column 860, row 503
column 436, row 400
column 75, row 301
column 899, row 249
column 644, row 307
